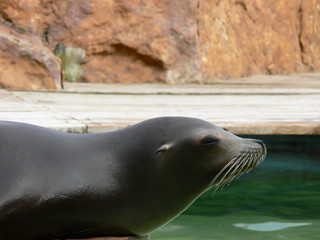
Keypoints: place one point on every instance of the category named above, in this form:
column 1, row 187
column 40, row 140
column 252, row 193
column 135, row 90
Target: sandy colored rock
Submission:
column 243, row 37
column 126, row 41
column 26, row 14
column 176, row 41
column 131, row 41
column 25, row 63
column 310, row 33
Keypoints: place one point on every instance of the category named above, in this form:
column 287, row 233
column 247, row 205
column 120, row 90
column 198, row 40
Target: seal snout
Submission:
column 252, row 153
column 255, row 151
column 260, row 143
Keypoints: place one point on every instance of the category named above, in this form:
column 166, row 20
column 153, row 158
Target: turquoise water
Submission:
column 280, row 199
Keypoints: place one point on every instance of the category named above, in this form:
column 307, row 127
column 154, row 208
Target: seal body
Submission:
column 127, row 182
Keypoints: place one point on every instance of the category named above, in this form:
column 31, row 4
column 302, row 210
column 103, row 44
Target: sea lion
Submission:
column 56, row 185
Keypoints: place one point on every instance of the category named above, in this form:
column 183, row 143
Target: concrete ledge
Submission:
column 256, row 105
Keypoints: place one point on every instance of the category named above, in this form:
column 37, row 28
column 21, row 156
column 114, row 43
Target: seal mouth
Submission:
column 243, row 162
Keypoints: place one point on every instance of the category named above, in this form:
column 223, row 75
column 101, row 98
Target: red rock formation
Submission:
column 25, row 63
column 242, row 37
column 176, row 41
column 130, row 41
column 310, row 33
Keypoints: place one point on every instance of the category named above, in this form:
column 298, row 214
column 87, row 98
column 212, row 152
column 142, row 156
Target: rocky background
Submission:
column 158, row 41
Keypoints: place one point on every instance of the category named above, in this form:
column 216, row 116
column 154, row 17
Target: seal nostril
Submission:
column 259, row 142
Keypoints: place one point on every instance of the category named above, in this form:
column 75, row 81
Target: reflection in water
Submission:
column 278, row 200
column 269, row 226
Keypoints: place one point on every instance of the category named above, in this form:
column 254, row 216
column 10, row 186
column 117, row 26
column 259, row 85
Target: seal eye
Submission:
column 163, row 148
column 209, row 141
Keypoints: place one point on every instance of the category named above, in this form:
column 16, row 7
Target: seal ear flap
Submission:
column 163, row 148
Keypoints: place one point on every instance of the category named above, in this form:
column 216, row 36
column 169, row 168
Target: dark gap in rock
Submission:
column 46, row 36
column 242, row 4
column 16, row 28
column 5, row 17
column 300, row 30
column 125, row 51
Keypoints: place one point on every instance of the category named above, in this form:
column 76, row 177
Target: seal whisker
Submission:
column 245, row 164
column 222, row 170
column 263, row 155
column 232, row 170
column 218, row 183
column 226, row 175
column 250, row 161
column 242, row 163
column 257, row 154
column 258, row 157
column 235, row 173
column 229, row 179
